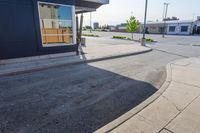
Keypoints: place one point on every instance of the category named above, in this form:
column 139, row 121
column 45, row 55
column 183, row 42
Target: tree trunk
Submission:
column 132, row 35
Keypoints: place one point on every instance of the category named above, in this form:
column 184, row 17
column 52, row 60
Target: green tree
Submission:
column 132, row 25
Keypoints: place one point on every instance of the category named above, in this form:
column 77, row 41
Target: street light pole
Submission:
column 144, row 27
column 90, row 22
column 164, row 17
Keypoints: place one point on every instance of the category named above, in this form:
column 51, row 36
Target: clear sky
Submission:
column 118, row 11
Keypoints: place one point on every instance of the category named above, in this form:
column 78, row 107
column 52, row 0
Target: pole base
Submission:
column 143, row 42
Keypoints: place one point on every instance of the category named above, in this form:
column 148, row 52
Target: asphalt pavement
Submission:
column 84, row 97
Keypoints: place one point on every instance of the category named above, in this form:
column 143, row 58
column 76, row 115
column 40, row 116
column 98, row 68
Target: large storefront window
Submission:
column 56, row 24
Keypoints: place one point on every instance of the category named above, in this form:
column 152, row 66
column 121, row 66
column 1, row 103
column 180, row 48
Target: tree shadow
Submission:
column 77, row 98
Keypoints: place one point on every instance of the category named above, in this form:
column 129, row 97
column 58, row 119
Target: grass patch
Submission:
column 121, row 37
column 149, row 40
column 195, row 44
column 90, row 35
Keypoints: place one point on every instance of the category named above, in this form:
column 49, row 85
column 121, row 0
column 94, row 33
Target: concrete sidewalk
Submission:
column 175, row 110
column 96, row 50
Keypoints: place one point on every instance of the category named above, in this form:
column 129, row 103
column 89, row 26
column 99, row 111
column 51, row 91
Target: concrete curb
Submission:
column 119, row 121
column 39, row 68
column 117, row 56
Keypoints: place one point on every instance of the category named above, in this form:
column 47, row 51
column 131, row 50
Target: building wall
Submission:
column 197, row 26
column 96, row 25
column 178, row 28
column 20, row 29
column 157, row 28
column 112, row 28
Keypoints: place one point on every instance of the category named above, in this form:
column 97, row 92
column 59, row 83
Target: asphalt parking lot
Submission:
column 84, row 97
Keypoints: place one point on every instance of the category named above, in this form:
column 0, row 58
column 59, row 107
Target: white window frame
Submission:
column 73, row 25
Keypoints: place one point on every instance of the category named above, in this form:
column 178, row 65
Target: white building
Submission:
column 96, row 25
column 179, row 27
column 175, row 27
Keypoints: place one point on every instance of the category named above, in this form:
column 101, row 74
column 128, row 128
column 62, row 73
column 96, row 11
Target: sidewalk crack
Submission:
column 172, row 103
column 187, row 84
column 182, row 111
column 145, row 120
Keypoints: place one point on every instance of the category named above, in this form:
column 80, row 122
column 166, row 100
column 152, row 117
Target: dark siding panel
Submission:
column 17, row 24
column 17, row 49
column 23, row 52
column 21, row 2
column 19, row 29
column 17, row 34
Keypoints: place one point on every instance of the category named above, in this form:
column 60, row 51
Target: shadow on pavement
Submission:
column 77, row 98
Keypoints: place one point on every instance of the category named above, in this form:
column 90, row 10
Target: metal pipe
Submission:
column 144, row 27
column 81, row 25
column 81, row 28
column 77, row 29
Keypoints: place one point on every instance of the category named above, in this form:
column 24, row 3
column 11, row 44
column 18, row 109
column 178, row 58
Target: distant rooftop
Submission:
column 89, row 5
column 171, row 22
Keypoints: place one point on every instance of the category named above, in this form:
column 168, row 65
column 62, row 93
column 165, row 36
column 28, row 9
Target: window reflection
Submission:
column 56, row 24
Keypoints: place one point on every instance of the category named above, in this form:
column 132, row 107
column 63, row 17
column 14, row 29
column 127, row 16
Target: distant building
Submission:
column 121, row 27
column 175, row 27
column 112, row 28
column 153, row 27
column 180, row 27
column 197, row 26
column 96, row 25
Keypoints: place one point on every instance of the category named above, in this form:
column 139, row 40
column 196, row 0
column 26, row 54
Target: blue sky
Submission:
column 118, row 11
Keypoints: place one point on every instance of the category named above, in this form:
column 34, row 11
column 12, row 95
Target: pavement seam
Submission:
column 160, row 50
column 116, row 56
column 186, row 84
column 166, row 130
column 182, row 65
column 181, row 111
column 146, row 120
column 171, row 103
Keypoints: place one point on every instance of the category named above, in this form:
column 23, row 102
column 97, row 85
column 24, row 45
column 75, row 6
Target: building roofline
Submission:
column 171, row 22
column 83, row 6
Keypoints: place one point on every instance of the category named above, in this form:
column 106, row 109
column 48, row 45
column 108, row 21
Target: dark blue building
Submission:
column 38, row 27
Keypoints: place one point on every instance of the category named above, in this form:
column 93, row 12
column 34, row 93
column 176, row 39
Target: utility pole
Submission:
column 90, row 22
column 144, row 27
column 164, row 17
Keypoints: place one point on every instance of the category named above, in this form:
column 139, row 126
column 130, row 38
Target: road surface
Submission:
column 84, row 97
